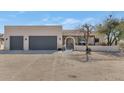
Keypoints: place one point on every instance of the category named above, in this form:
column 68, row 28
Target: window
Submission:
column 96, row 40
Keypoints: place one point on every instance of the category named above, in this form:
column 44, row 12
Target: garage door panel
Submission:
column 43, row 42
column 16, row 42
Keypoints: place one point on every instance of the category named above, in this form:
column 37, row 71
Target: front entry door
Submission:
column 69, row 44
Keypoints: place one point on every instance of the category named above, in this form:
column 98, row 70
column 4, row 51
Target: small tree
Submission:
column 87, row 29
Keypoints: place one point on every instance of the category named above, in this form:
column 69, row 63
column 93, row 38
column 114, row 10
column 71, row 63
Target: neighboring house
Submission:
column 44, row 38
column 1, row 41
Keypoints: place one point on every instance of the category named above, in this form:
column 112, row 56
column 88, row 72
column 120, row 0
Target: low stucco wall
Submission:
column 2, row 47
column 98, row 48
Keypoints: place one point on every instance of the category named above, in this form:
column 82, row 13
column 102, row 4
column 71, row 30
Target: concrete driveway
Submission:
column 53, row 65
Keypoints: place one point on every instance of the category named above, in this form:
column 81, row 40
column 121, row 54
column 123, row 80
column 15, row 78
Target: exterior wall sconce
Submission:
column 25, row 38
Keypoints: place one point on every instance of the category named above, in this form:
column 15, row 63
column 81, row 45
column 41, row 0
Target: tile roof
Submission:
column 74, row 33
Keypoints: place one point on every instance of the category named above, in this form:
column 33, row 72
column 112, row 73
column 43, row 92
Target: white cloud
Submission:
column 71, row 21
column 53, row 24
column 89, row 20
column 52, row 19
column 16, row 14
column 66, row 22
column 45, row 19
column 75, row 23
column 57, row 18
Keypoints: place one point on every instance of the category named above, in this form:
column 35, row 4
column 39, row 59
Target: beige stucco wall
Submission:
column 91, row 40
column 101, row 38
column 27, row 31
column 98, row 48
column 1, row 44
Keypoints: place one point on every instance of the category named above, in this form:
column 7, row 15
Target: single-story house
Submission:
column 1, row 41
column 43, row 38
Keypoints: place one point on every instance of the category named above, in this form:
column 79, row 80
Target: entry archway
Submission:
column 70, row 43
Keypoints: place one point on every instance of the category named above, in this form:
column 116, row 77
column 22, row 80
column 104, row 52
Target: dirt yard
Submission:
column 61, row 66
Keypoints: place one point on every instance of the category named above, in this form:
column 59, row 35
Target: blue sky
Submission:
column 69, row 20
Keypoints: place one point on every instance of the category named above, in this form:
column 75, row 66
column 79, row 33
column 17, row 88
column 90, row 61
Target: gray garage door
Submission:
column 16, row 42
column 43, row 42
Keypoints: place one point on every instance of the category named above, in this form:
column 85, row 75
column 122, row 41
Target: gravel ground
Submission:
column 60, row 66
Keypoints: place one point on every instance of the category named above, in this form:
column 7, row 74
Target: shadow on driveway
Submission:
column 28, row 52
